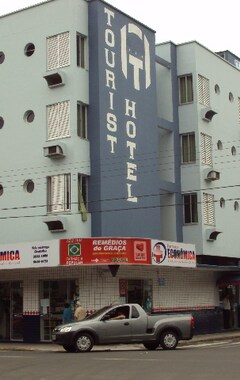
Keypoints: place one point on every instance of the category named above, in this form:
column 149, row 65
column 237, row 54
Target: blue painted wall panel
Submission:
column 124, row 183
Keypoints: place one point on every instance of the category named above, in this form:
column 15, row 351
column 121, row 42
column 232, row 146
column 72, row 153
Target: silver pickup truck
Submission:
column 127, row 323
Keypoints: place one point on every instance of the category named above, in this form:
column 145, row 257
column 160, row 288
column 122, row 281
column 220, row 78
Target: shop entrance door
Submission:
column 11, row 311
column 53, row 296
column 137, row 291
column 233, row 318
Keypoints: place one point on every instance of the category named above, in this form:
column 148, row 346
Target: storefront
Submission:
column 158, row 275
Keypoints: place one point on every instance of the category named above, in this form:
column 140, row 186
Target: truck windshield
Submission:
column 98, row 312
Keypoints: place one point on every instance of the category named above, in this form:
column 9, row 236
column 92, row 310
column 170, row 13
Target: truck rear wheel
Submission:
column 169, row 340
column 151, row 346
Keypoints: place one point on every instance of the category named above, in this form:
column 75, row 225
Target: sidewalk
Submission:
column 225, row 335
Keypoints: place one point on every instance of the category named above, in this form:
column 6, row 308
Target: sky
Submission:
column 212, row 23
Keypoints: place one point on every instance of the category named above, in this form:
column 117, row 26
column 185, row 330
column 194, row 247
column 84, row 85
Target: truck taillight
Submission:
column 192, row 322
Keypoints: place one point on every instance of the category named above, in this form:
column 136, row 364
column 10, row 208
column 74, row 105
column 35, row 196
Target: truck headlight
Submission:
column 65, row 329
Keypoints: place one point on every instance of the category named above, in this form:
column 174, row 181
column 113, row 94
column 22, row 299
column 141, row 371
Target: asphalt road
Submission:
column 219, row 360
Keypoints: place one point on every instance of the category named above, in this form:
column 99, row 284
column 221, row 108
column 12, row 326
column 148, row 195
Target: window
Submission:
column 2, row 57
column 28, row 186
column 29, row 49
column 203, row 90
column 82, row 120
column 190, row 208
column 58, row 51
column 188, row 148
column 83, row 195
column 29, row 116
column 217, row 89
column 219, row 145
column 230, row 97
column 239, row 110
column 222, row 202
column 206, row 149
column 208, row 209
column 1, row 122
column 59, row 193
column 81, row 59
column 236, row 206
column 185, row 89
column 58, row 120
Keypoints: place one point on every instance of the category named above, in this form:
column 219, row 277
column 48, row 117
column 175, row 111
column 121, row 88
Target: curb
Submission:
column 230, row 336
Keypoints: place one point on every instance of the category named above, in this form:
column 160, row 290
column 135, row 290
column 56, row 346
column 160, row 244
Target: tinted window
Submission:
column 135, row 313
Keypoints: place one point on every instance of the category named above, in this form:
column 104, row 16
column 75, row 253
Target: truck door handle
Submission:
column 126, row 323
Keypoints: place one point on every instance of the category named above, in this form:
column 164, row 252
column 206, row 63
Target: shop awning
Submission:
column 230, row 279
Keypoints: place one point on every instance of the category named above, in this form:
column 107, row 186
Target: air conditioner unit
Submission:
column 54, row 151
column 213, row 175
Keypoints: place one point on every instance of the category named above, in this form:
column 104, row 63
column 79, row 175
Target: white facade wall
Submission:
column 173, row 288
column 24, row 87
column 195, row 59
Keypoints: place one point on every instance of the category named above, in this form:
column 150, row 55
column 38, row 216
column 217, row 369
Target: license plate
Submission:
column 53, row 337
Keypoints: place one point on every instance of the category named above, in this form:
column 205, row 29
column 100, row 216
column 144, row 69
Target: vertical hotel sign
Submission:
column 131, row 63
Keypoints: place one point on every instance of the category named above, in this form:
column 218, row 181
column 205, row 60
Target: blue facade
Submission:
column 123, row 132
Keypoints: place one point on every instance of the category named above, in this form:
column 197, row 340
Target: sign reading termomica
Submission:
column 29, row 255
column 165, row 253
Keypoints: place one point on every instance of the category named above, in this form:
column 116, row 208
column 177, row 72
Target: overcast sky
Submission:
column 212, row 23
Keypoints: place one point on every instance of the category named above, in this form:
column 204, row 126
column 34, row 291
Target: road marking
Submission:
column 200, row 345
column 14, row 356
column 127, row 359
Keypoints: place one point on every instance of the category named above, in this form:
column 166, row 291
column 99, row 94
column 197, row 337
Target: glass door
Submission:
column 16, row 318
column 136, row 291
column 11, row 311
column 4, row 311
column 53, row 296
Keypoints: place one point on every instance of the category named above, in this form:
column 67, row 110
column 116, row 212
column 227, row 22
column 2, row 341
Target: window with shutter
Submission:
column 206, row 149
column 58, row 51
column 203, row 91
column 82, row 195
column 58, row 191
column 208, row 209
column 185, row 89
column 190, row 211
column 58, row 120
column 239, row 110
column 81, row 50
column 188, row 148
column 82, row 120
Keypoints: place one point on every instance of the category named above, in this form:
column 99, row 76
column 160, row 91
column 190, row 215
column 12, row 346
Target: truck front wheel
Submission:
column 151, row 346
column 169, row 340
column 84, row 342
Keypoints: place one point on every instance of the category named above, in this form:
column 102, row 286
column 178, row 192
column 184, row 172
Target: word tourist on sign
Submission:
column 128, row 114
